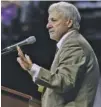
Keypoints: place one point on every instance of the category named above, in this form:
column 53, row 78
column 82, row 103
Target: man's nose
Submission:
column 49, row 25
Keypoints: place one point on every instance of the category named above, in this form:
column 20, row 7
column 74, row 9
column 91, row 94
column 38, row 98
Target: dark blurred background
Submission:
column 21, row 19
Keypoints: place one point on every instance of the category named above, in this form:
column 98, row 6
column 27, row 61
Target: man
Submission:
column 74, row 74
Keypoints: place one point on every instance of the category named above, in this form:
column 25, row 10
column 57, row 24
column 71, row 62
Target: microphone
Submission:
column 27, row 41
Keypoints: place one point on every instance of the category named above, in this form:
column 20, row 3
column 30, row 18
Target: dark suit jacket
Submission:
column 73, row 77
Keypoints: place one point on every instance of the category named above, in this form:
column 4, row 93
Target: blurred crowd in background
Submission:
column 21, row 19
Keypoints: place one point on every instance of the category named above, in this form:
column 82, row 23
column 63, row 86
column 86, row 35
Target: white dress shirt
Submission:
column 36, row 68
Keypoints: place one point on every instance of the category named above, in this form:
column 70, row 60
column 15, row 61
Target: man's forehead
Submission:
column 54, row 14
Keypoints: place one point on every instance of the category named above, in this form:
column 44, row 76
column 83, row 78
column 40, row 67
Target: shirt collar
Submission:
column 63, row 38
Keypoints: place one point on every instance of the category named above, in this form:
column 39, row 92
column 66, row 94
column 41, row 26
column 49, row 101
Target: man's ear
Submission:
column 69, row 23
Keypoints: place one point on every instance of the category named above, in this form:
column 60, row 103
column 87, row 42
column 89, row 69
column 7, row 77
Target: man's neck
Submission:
column 65, row 33
column 64, row 37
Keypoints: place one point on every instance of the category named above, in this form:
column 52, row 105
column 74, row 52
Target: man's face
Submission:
column 57, row 25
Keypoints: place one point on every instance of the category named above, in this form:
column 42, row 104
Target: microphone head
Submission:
column 31, row 40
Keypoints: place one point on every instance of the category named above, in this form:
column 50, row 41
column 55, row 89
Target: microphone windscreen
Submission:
column 31, row 40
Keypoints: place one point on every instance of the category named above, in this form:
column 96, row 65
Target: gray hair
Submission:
column 69, row 11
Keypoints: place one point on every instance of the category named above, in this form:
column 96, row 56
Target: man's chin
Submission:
column 52, row 37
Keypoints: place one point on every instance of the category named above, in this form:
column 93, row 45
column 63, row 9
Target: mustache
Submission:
column 50, row 31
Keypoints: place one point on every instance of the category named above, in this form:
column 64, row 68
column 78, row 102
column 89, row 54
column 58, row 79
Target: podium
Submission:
column 12, row 98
